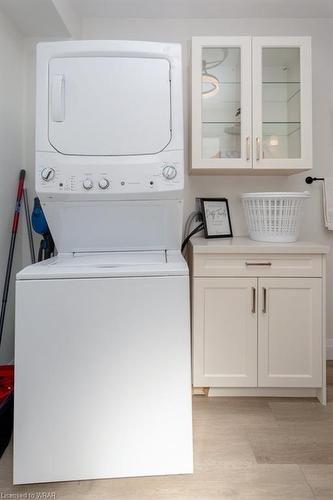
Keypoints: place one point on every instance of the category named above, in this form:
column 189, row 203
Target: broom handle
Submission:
column 11, row 250
column 29, row 229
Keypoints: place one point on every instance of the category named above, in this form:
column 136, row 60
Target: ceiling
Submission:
column 204, row 8
column 35, row 17
column 63, row 18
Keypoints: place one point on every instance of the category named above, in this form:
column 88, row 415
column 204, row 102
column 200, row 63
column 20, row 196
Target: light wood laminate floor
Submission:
column 244, row 448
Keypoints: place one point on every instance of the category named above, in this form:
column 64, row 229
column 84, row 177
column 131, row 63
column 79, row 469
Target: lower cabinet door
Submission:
column 224, row 332
column 290, row 332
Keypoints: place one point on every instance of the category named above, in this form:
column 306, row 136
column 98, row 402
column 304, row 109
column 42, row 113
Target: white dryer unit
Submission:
column 103, row 376
column 109, row 126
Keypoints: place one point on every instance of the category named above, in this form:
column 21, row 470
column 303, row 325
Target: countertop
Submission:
column 238, row 245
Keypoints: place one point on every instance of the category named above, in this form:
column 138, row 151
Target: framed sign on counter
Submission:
column 216, row 217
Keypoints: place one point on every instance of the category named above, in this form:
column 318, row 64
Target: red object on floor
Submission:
column 6, row 382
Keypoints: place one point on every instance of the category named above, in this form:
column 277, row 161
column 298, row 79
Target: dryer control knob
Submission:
column 104, row 183
column 47, row 174
column 169, row 172
column 87, row 184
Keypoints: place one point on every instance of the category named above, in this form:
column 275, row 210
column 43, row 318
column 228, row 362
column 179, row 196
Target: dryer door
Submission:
column 109, row 106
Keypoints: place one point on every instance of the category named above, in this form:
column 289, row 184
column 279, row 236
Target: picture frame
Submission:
column 216, row 218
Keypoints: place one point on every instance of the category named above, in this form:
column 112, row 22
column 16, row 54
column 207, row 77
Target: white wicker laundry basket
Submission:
column 274, row 217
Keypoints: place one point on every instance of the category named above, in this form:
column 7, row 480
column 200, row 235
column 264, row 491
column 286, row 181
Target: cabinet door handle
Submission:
column 253, row 310
column 258, row 148
column 264, row 300
column 258, row 264
column 248, row 148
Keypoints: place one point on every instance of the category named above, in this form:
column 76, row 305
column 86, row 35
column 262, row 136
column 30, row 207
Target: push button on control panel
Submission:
column 87, row 184
column 169, row 172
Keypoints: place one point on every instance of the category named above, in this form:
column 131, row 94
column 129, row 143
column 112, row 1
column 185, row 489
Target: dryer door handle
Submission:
column 58, row 98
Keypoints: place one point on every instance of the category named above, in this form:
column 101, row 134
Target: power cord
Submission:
column 194, row 216
column 187, row 239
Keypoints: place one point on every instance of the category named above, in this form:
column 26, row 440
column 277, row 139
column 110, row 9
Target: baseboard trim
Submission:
column 282, row 392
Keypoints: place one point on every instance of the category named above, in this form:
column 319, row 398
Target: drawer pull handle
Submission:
column 264, row 308
column 268, row 264
column 253, row 300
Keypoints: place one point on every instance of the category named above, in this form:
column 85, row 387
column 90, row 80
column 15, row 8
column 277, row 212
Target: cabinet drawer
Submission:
column 257, row 265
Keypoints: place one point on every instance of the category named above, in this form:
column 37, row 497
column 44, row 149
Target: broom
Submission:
column 7, row 371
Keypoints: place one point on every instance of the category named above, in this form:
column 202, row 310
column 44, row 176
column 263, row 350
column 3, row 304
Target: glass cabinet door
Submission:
column 221, row 102
column 281, row 103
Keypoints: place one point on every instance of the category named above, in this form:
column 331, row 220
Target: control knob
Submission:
column 87, row 184
column 47, row 174
column 104, row 183
column 169, row 172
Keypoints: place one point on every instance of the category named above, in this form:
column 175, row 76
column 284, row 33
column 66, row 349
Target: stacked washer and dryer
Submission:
column 102, row 349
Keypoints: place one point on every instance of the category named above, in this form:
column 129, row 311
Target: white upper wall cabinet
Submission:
column 251, row 105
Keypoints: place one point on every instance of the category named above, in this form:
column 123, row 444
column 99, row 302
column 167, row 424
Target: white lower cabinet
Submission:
column 261, row 331
column 225, row 332
column 290, row 332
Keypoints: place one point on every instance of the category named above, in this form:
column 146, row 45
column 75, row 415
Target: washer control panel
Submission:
column 103, row 179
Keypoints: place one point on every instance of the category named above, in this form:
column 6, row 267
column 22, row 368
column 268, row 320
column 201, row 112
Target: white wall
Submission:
column 181, row 30
column 11, row 85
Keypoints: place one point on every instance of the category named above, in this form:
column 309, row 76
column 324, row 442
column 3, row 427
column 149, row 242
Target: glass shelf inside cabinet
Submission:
column 281, row 139
column 221, row 102
column 280, row 128
column 281, row 102
column 221, row 139
column 280, row 91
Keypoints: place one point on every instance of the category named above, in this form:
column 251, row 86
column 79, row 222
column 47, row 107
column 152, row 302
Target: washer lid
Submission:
column 107, row 264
